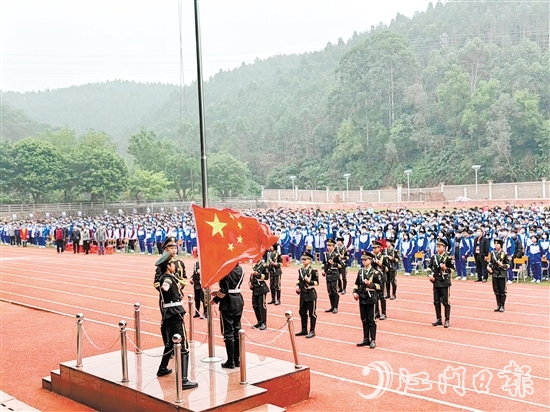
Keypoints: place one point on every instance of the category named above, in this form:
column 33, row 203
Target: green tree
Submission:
column 145, row 184
column 38, row 168
column 183, row 173
column 103, row 173
column 227, row 175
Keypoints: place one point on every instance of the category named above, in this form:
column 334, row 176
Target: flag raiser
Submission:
column 225, row 238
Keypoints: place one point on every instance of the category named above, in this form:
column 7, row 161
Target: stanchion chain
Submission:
column 280, row 330
column 147, row 317
column 94, row 345
column 200, row 343
column 147, row 354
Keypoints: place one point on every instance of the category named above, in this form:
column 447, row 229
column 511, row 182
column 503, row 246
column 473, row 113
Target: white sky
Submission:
column 59, row 43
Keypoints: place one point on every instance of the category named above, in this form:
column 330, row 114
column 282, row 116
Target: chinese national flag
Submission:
column 225, row 238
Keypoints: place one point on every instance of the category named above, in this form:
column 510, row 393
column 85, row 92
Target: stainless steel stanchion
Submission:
column 79, row 322
column 123, row 350
column 177, row 364
column 242, row 356
column 211, row 352
column 191, row 314
column 137, row 327
column 290, row 323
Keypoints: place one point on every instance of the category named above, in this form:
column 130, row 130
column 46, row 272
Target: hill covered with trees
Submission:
column 461, row 83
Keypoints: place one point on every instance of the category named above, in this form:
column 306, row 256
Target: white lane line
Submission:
column 338, row 378
column 355, row 327
column 319, row 299
column 405, row 281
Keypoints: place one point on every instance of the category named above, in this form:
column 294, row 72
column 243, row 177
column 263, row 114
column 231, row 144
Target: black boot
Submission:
column 383, row 308
column 237, row 353
column 437, row 315
column 502, row 300
column 336, row 301
column 447, row 315
column 498, row 303
column 185, row 382
column 230, row 349
column 278, row 301
column 394, row 290
column 372, row 334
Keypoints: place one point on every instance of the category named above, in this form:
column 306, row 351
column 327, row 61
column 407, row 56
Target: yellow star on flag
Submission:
column 240, row 239
column 240, row 226
column 217, row 226
column 231, row 247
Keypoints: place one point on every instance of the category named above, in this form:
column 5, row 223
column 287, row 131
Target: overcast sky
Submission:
column 59, row 43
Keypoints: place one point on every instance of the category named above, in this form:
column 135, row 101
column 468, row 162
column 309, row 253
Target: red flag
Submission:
column 225, row 238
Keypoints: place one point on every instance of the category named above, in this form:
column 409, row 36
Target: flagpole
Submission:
column 211, row 355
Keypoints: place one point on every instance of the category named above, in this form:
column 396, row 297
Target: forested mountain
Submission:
column 16, row 125
column 461, row 83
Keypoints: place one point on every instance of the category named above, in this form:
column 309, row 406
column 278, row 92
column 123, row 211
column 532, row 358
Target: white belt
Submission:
column 171, row 304
column 234, row 291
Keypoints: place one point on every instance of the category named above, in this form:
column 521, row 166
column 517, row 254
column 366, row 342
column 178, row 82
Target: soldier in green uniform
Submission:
column 392, row 255
column 274, row 264
column 331, row 270
column 380, row 263
column 365, row 291
column 257, row 284
column 441, row 267
column 308, row 278
column 498, row 265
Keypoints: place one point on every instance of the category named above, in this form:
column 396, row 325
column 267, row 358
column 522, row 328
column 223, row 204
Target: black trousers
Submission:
column 76, row 246
column 481, row 268
column 333, row 293
column 59, row 245
column 368, row 320
column 199, row 297
column 260, row 307
column 343, row 282
column 499, row 287
column 230, row 322
column 391, row 283
column 441, row 297
column 86, row 246
column 169, row 328
column 308, row 308
column 275, row 287
column 381, row 303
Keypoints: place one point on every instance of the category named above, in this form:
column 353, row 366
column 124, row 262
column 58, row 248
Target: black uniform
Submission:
column 393, row 258
column 308, row 299
column 441, row 285
column 199, row 292
column 344, row 257
column 274, row 265
column 259, row 292
column 381, row 263
column 368, row 296
column 231, row 310
column 331, row 267
column 498, row 267
column 181, row 281
column 172, row 323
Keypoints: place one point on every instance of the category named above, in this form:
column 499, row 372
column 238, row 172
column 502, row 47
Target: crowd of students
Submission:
column 470, row 233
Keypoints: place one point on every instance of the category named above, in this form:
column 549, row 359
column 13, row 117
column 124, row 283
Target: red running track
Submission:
column 484, row 361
